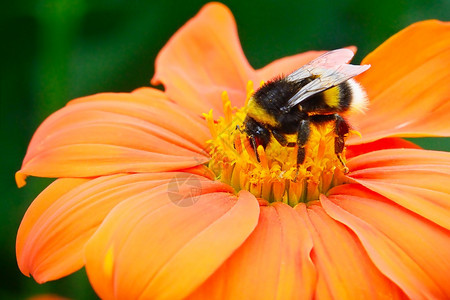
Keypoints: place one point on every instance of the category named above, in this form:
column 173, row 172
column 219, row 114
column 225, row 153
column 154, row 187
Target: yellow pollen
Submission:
column 272, row 174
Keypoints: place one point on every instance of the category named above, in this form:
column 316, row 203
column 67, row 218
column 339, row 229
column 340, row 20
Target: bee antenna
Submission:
column 239, row 128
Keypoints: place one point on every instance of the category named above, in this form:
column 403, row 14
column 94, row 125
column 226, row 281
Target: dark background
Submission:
column 53, row 51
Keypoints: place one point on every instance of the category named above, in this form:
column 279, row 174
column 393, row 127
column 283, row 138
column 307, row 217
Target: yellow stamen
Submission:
column 272, row 174
column 249, row 149
column 227, row 107
column 249, row 91
column 262, row 157
column 210, row 120
column 355, row 132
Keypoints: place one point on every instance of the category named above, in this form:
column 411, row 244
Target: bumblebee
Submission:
column 319, row 92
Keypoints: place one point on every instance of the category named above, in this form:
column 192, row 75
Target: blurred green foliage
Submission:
column 56, row 50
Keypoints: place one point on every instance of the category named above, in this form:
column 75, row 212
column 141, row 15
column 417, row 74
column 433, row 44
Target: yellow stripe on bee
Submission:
column 331, row 97
column 259, row 113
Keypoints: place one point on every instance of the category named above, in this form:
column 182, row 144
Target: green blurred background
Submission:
column 54, row 51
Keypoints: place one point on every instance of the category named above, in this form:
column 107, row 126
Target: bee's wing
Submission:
column 330, row 68
column 327, row 60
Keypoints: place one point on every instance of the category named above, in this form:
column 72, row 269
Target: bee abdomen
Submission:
column 337, row 98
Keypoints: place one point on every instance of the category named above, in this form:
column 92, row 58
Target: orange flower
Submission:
column 157, row 200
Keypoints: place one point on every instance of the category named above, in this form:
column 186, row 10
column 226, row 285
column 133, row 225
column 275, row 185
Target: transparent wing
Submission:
column 330, row 69
column 327, row 60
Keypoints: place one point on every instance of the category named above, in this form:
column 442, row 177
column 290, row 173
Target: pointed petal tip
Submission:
column 216, row 9
column 38, row 275
column 155, row 80
column 202, row 59
column 113, row 130
column 25, row 272
column 39, row 278
column 20, row 179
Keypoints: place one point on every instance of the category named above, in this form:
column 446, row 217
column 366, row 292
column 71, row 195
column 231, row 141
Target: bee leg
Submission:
column 304, row 130
column 280, row 138
column 241, row 131
column 341, row 129
column 254, row 146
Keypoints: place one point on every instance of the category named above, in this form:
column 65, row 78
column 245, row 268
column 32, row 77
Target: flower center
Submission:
column 273, row 174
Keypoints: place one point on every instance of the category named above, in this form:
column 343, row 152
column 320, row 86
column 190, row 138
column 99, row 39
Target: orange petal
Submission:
column 150, row 248
column 63, row 217
column 273, row 263
column 27, row 251
column 408, row 85
column 112, row 133
column 203, row 59
column 386, row 143
column 287, row 65
column 343, row 267
column 418, row 180
column 407, row 248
